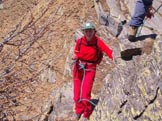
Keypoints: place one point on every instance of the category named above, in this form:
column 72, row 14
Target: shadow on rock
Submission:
column 128, row 54
column 95, row 101
column 143, row 37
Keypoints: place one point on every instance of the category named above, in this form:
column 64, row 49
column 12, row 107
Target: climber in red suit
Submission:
column 88, row 54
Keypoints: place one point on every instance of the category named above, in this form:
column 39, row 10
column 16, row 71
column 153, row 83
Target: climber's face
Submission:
column 89, row 33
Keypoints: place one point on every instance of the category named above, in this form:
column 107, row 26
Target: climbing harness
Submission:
column 139, row 32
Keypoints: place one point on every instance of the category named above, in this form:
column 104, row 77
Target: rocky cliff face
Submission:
column 128, row 89
column 133, row 89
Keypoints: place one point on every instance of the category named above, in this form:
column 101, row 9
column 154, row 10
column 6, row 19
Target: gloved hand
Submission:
column 150, row 12
column 74, row 59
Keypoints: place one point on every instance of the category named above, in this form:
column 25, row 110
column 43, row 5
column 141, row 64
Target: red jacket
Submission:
column 87, row 51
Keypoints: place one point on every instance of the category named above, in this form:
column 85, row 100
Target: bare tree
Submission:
column 18, row 59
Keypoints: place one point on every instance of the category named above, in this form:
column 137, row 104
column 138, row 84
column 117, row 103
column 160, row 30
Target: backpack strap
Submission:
column 79, row 44
column 98, row 53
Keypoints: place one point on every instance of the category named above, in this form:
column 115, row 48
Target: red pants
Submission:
column 83, row 106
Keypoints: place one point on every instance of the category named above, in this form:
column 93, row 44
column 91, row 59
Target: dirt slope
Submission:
column 59, row 19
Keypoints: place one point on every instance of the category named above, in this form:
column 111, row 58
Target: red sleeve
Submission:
column 105, row 48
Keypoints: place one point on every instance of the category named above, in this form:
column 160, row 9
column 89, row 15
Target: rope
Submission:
column 140, row 29
column 82, row 66
column 84, row 70
column 157, row 9
column 139, row 32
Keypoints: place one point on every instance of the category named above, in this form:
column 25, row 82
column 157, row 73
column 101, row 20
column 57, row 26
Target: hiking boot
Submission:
column 76, row 117
column 132, row 31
